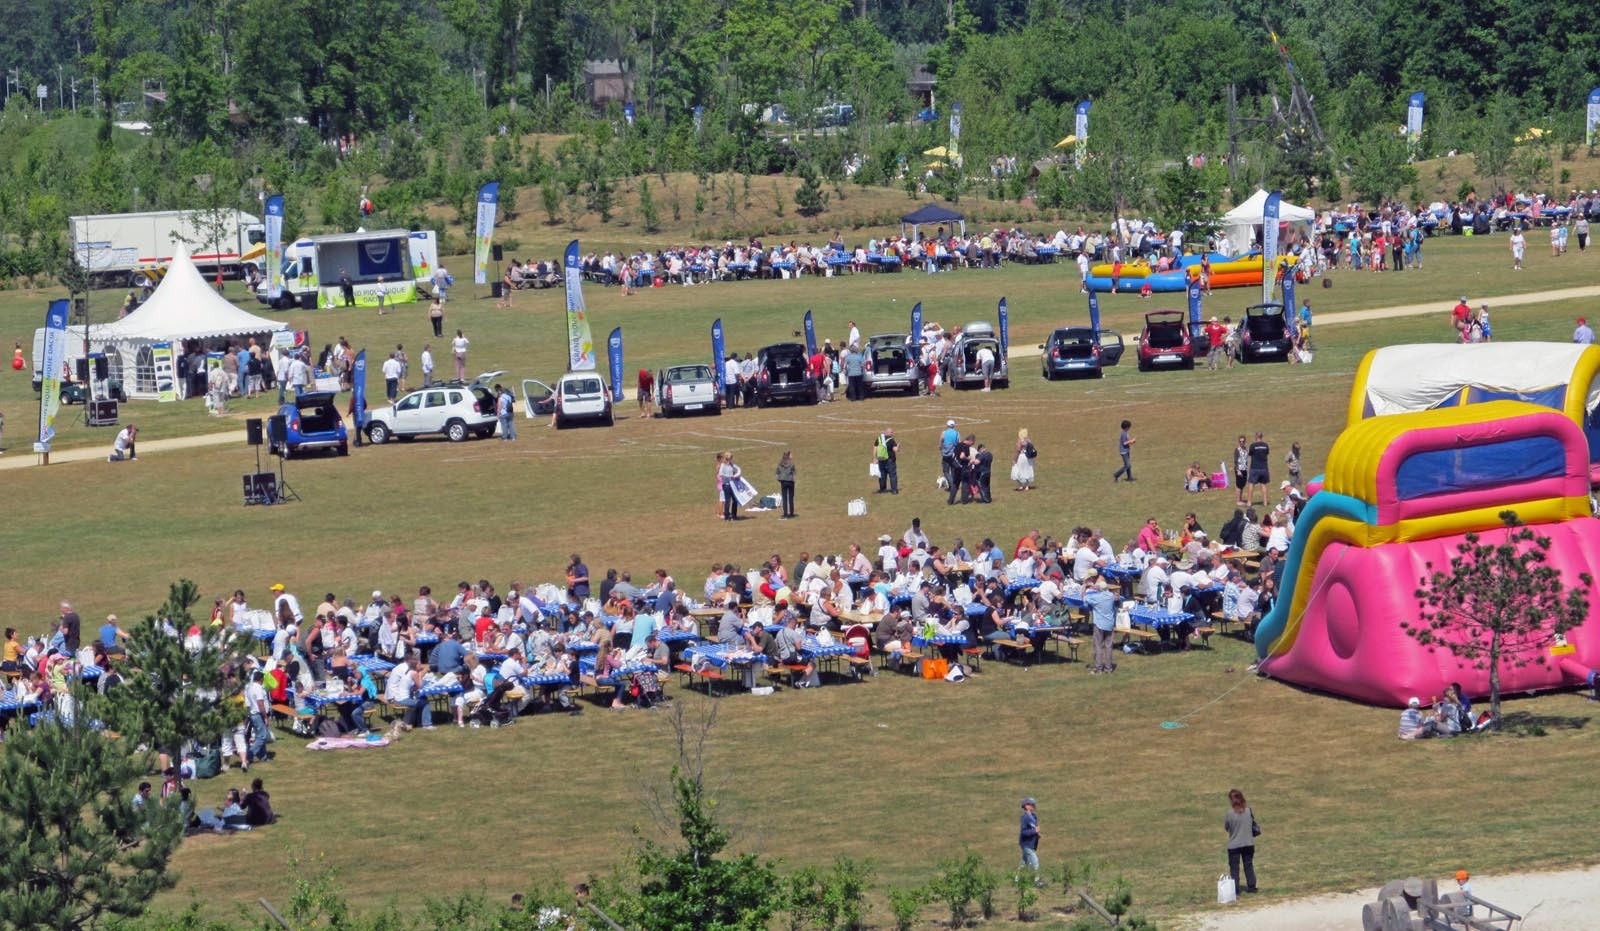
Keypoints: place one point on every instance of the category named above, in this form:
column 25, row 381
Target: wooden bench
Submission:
column 861, row 666
column 708, row 675
column 1070, row 642
column 1020, row 644
column 1138, row 635
column 975, row 655
column 291, row 716
column 1204, row 633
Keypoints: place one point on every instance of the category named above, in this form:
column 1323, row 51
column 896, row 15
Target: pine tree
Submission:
column 170, row 694
column 74, row 852
column 648, row 211
column 809, row 198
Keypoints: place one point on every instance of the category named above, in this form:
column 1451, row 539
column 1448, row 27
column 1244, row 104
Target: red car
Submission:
column 1165, row 341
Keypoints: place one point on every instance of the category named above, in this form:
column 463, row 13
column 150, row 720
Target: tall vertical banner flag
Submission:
column 916, row 324
column 955, row 122
column 274, row 247
column 1288, row 299
column 580, row 341
column 699, row 116
column 1269, row 244
column 1005, row 328
column 358, row 390
column 1591, row 120
column 1414, row 116
column 55, row 356
column 717, row 351
column 811, row 335
column 614, row 348
column 1080, row 128
column 627, row 112
column 1094, row 313
column 488, row 203
column 1195, row 310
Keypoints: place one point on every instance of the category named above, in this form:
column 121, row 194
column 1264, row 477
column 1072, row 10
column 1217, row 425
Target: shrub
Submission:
column 905, row 903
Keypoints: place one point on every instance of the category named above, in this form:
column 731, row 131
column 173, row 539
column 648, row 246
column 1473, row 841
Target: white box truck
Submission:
column 121, row 249
column 313, row 266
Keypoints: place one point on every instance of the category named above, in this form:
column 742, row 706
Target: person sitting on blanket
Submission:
column 257, row 805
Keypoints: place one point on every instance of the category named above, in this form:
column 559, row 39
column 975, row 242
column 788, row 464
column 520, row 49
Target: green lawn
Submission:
column 901, row 771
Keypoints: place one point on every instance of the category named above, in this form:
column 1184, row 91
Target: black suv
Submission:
column 783, row 373
column 1264, row 334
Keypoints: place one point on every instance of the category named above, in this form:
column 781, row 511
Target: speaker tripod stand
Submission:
column 286, row 492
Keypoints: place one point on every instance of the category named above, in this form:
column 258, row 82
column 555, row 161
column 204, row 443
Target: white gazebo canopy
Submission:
column 1242, row 223
column 182, row 307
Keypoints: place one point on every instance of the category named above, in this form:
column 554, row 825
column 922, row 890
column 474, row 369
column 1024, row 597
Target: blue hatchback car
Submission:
column 311, row 422
column 1078, row 350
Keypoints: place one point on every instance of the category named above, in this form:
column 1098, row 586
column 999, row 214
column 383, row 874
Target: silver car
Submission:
column 961, row 365
column 892, row 364
column 687, row 388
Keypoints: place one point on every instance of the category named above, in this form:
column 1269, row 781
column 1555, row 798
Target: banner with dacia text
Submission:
column 718, row 351
column 811, row 335
column 483, row 233
column 1269, row 245
column 580, row 341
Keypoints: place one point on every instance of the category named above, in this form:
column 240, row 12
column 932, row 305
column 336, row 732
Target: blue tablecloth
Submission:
column 89, row 673
column 941, row 639
column 427, row 640
column 783, row 266
column 886, row 261
column 11, row 705
column 258, row 633
column 1120, row 572
column 977, row 609
column 900, row 601
column 372, row 663
column 677, row 636
column 491, row 657
column 1021, row 586
column 583, row 647
column 1155, row 617
column 720, row 655
column 814, row 648
column 434, row 691
column 544, row 678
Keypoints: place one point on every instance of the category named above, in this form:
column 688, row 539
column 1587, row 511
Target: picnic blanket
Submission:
column 347, row 743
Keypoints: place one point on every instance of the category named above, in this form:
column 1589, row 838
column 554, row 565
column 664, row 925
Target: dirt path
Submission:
column 1556, row 901
column 1442, row 308
column 21, row 457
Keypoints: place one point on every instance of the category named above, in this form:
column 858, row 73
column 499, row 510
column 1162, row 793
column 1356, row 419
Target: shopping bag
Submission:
column 1226, row 893
column 872, row 469
column 935, row 669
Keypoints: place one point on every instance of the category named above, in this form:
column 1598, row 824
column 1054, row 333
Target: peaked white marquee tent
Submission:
column 1242, row 224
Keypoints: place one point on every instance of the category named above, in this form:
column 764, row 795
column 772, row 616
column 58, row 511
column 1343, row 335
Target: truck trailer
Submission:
column 129, row 249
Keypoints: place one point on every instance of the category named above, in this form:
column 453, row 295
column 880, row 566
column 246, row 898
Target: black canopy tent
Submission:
column 929, row 214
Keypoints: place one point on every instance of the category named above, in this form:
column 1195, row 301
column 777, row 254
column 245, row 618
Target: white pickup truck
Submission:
column 687, row 388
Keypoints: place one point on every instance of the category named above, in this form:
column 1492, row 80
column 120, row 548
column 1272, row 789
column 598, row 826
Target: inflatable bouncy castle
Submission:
column 1420, row 466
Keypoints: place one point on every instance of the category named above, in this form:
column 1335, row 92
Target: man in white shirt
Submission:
column 985, row 359
column 256, row 703
column 427, row 365
column 1049, row 590
column 299, row 375
column 391, row 378
column 1155, row 579
column 730, row 383
column 123, row 448
column 855, row 335
column 888, row 554
column 400, row 689
column 1084, row 560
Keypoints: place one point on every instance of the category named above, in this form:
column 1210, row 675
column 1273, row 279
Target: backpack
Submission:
column 1031, row 451
column 208, row 765
column 883, row 448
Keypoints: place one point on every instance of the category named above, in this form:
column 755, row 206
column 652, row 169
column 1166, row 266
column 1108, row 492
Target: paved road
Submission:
column 20, row 457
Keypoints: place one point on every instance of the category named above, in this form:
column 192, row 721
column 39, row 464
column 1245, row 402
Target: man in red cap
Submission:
column 1583, row 335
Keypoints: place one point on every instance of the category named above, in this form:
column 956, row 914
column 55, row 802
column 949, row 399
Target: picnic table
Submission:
column 374, row 664
column 883, row 263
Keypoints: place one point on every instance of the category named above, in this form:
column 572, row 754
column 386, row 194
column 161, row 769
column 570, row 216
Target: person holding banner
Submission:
column 728, row 475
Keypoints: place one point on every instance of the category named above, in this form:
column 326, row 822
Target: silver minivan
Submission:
column 961, row 365
column 892, row 364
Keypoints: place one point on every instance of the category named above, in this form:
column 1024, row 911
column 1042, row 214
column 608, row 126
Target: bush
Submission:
column 961, row 882
column 905, row 903
column 1023, row 881
column 809, row 198
column 648, row 212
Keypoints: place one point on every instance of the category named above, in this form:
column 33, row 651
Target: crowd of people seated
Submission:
column 484, row 657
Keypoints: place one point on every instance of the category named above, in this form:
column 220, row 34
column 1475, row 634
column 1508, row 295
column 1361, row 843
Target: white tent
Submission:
column 1242, row 224
column 1420, row 377
column 182, row 307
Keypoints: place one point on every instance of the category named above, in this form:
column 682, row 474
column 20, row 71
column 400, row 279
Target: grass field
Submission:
column 898, row 771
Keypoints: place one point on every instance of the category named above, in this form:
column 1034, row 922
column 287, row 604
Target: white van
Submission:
column 582, row 396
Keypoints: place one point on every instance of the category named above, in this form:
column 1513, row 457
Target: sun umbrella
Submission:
column 1071, row 138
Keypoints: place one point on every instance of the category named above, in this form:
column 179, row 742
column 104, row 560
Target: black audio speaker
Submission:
column 83, row 369
column 102, row 368
column 497, row 288
column 260, row 488
column 308, row 301
column 277, row 431
column 499, row 253
column 252, row 431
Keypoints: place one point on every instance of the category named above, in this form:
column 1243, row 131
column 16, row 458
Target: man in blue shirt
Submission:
column 947, row 452
column 1028, row 838
column 1103, row 612
column 447, row 655
column 1305, row 320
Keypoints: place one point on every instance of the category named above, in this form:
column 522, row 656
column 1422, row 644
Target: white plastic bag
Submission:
column 856, row 508
column 1226, row 893
column 872, row 469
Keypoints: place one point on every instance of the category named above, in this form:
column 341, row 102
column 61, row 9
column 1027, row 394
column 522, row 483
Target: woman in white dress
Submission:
column 1022, row 468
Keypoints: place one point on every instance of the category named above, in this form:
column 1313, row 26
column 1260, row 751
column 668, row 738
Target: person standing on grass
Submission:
column 347, row 288
column 1519, row 246
column 391, row 378
column 1240, row 823
column 785, row 476
column 887, row 451
column 436, row 314
column 728, row 474
column 382, row 291
column 1260, row 473
column 505, row 407
column 427, row 365
column 1028, row 838
column 1125, row 443
column 646, row 394
column 458, row 347
column 1102, row 607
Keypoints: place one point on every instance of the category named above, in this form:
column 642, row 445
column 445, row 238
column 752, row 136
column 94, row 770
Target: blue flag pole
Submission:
column 811, row 335
column 614, row 347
